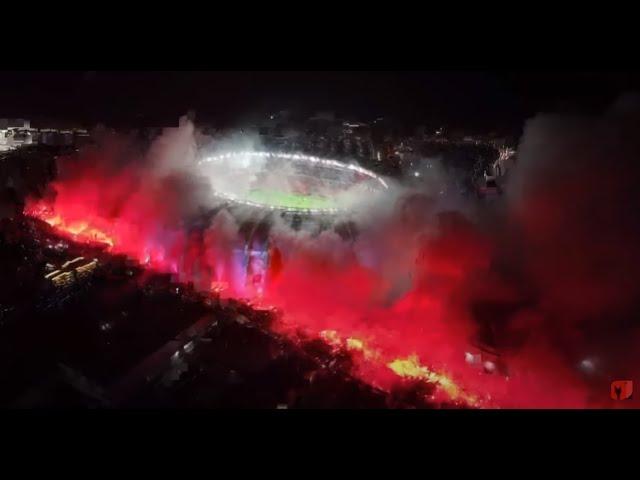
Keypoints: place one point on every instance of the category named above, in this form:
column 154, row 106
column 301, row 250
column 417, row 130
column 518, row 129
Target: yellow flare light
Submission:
column 410, row 368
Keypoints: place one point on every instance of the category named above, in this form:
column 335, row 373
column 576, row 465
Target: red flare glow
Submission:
column 75, row 221
column 333, row 301
column 418, row 333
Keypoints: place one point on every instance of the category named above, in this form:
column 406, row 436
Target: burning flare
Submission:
column 409, row 368
column 83, row 232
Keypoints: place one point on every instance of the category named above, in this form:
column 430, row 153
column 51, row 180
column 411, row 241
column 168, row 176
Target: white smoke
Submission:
column 175, row 150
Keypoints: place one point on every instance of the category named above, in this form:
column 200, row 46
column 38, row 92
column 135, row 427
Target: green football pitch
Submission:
column 290, row 200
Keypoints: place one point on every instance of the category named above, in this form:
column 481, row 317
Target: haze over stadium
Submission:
column 290, row 182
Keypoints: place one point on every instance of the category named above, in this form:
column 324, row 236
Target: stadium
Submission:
column 305, row 192
column 292, row 183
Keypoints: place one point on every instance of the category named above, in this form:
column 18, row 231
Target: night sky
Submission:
column 475, row 100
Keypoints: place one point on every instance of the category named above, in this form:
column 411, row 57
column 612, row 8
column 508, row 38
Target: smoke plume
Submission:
column 547, row 279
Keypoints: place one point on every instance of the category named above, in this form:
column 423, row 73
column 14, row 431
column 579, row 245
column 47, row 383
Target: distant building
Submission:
column 14, row 132
column 14, row 123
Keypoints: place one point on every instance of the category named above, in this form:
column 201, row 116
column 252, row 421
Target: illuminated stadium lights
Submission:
column 296, row 156
column 288, row 201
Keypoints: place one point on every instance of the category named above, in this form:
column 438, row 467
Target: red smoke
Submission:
column 547, row 283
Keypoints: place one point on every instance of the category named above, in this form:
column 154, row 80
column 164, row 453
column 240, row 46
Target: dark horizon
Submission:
column 467, row 99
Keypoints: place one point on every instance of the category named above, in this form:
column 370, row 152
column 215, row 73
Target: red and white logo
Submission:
column 621, row 389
